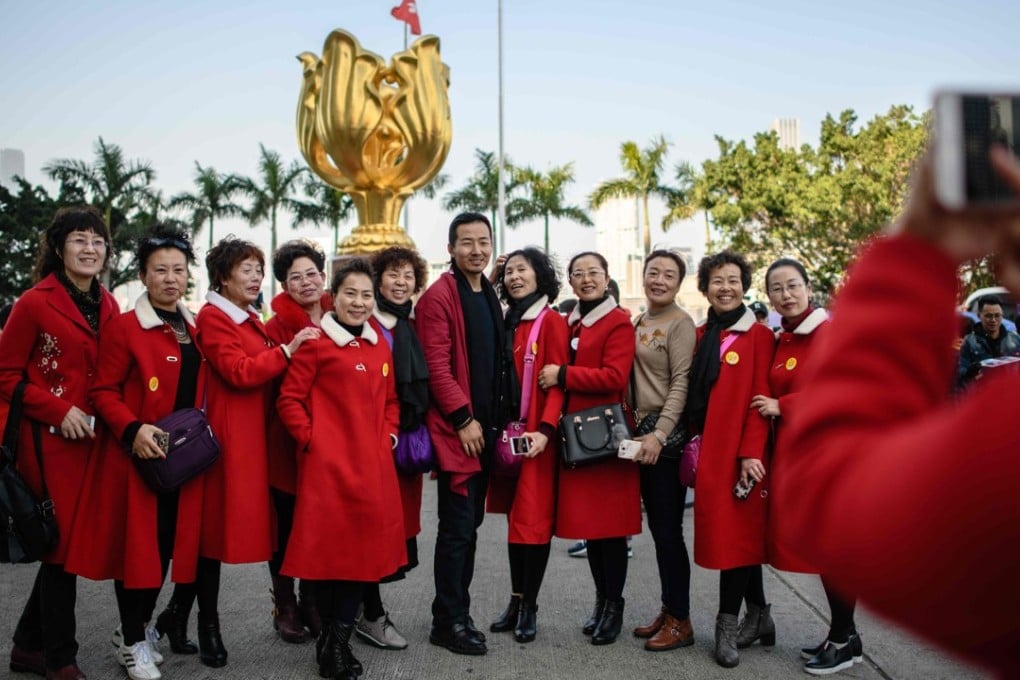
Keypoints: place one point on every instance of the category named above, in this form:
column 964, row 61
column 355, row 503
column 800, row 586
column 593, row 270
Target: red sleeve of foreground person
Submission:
column 898, row 493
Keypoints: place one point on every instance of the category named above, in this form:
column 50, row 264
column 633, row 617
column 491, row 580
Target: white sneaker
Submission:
column 151, row 636
column 381, row 633
column 137, row 661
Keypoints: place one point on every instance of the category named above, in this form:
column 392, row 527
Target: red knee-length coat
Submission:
column 348, row 523
column 728, row 532
column 602, row 500
column 114, row 533
column 794, row 350
column 236, row 515
column 49, row 343
column 530, row 500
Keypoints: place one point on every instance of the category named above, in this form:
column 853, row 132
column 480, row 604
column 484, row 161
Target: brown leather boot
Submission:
column 653, row 627
column 674, row 633
column 286, row 619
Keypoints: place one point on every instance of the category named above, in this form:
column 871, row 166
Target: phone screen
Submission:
column 987, row 121
column 520, row 445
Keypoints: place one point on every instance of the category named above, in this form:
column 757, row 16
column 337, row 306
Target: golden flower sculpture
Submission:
column 374, row 131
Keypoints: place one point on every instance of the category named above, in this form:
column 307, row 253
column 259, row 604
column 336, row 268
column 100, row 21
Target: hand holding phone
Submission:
column 743, row 492
column 520, row 445
column 628, row 449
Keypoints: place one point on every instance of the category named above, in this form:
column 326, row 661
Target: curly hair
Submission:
column 66, row 220
column 545, row 273
column 285, row 255
column 354, row 265
column 397, row 256
column 709, row 263
column 226, row 255
column 163, row 236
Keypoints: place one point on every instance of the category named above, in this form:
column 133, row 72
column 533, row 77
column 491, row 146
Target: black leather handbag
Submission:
column 593, row 435
column 675, row 442
column 28, row 525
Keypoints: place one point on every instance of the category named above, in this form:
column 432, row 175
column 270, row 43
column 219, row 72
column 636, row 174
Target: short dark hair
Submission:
column 226, row 255
column 163, row 236
column 467, row 218
column 545, row 273
column 712, row 262
column 354, row 265
column 66, row 220
column 285, row 255
column 786, row 262
column 671, row 255
column 589, row 253
column 396, row 256
column 986, row 300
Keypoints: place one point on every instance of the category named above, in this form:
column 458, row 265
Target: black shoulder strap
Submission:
column 12, row 434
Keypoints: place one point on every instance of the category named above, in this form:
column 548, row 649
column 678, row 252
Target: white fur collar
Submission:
column 385, row 319
column 147, row 317
column 535, row 309
column 815, row 319
column 339, row 335
column 236, row 314
column 606, row 306
column 744, row 323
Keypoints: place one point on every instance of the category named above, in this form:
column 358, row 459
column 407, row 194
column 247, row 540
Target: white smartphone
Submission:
column 520, row 445
column 92, row 425
column 628, row 449
column 967, row 126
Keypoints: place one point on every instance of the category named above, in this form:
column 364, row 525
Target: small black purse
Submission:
column 593, row 435
column 674, row 446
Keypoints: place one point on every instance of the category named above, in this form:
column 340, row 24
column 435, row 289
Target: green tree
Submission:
column 210, row 200
column 481, row 193
column 272, row 192
column 545, row 198
column 326, row 206
column 117, row 188
column 642, row 168
column 24, row 217
column 815, row 204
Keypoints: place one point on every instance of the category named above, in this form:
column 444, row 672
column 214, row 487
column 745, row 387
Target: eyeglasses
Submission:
column 307, row 276
column 791, row 288
column 579, row 275
column 80, row 242
column 166, row 241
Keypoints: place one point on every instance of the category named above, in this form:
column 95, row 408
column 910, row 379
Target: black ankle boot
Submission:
column 173, row 623
column 508, row 619
column 596, row 615
column 323, row 651
column 610, row 624
column 212, row 653
column 346, row 667
column 527, row 623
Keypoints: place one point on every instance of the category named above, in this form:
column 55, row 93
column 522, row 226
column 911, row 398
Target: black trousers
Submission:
column 48, row 621
column 283, row 503
column 456, row 541
column 664, row 499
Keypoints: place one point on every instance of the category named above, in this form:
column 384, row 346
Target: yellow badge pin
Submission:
column 791, row 363
column 153, row 384
column 732, row 358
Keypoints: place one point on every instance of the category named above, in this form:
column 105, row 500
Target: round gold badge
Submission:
column 534, row 348
column 732, row 358
column 385, row 369
column 791, row 363
column 153, row 384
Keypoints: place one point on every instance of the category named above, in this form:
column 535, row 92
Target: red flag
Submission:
column 408, row 13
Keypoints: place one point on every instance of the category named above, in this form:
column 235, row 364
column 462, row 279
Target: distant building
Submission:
column 12, row 163
column 788, row 130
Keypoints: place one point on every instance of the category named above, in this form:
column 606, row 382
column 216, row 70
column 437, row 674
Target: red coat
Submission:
column 48, row 341
column 903, row 495
column 794, row 353
column 728, row 532
column 347, row 522
column 236, row 517
column 288, row 319
column 599, row 375
column 530, row 500
column 440, row 327
column 114, row 533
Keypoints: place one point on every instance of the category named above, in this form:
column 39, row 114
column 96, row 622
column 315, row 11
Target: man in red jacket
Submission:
column 464, row 381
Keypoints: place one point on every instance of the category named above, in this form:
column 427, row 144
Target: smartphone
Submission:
column 742, row 492
column 628, row 449
column 520, row 445
column 91, row 421
column 162, row 441
column 967, row 126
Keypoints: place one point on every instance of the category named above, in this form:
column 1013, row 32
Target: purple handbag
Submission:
column 504, row 462
column 414, row 453
column 192, row 449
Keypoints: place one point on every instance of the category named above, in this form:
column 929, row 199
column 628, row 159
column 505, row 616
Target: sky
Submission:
column 175, row 83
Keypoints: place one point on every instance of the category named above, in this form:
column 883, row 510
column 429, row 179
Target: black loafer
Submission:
column 459, row 639
column 479, row 635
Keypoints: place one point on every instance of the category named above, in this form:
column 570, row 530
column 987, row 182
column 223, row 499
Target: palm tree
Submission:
column 210, row 200
column 327, row 206
column 545, row 198
column 113, row 185
column 642, row 167
column 273, row 191
column 481, row 192
column 686, row 199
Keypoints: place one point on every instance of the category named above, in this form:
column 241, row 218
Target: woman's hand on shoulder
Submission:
column 303, row 335
column 766, row 406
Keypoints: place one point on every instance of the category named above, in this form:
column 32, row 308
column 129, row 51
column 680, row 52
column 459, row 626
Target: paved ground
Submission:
column 560, row 651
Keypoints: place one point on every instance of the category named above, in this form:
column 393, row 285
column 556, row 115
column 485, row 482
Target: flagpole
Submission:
column 407, row 203
column 501, row 200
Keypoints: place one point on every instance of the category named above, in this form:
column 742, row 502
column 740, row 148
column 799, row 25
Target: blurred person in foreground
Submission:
column 899, row 493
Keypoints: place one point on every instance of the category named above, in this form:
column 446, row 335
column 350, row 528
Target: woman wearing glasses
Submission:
column 601, row 353
column 51, row 341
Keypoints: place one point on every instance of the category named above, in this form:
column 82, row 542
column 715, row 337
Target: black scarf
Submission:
column 87, row 302
column 499, row 414
column 409, row 367
column 513, row 318
column 705, row 367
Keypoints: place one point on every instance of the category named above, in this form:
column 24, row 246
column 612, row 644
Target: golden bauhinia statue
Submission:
column 375, row 132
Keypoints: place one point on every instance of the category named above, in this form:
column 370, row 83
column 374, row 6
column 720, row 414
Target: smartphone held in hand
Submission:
column 742, row 492
column 628, row 449
column 520, row 445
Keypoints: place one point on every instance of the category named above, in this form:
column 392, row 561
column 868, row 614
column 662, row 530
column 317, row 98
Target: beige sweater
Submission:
column 662, row 361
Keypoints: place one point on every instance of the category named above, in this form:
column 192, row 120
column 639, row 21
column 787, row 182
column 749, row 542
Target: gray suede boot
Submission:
column 757, row 625
column 726, row 654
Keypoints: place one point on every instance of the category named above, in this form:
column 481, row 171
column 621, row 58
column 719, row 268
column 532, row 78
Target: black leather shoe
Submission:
column 458, row 639
column 211, row 651
column 610, row 624
column 833, row 659
column 173, row 623
column 596, row 615
column 508, row 619
column 527, row 623
column 479, row 635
